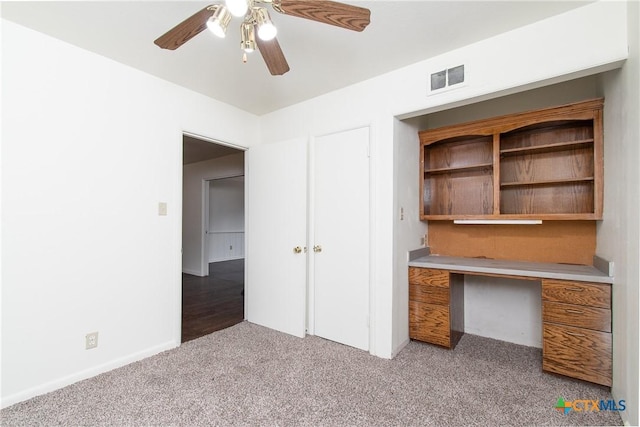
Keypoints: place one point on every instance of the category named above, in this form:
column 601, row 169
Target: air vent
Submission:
column 439, row 80
column 446, row 78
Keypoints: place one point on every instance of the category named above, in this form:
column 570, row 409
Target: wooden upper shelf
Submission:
column 545, row 164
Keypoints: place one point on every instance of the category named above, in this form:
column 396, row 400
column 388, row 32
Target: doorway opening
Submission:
column 213, row 302
column 213, row 261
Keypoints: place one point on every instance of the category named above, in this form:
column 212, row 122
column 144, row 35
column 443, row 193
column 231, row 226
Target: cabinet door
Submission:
column 341, row 229
column 578, row 353
column 275, row 289
column 430, row 323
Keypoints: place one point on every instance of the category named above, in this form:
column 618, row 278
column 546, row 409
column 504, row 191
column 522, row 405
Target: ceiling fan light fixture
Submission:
column 266, row 30
column 248, row 39
column 219, row 21
column 237, row 7
column 256, row 19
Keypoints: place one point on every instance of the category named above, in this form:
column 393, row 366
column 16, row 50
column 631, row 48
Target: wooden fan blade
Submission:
column 184, row 31
column 273, row 56
column 328, row 12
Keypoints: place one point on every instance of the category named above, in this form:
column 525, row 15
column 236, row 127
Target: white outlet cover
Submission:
column 91, row 340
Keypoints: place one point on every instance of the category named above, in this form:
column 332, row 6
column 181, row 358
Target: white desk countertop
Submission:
column 542, row 270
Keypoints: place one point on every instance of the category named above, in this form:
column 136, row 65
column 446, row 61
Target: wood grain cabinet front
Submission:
column 435, row 299
column 544, row 164
column 577, row 330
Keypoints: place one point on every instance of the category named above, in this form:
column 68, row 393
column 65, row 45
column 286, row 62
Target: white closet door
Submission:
column 275, row 289
column 341, row 230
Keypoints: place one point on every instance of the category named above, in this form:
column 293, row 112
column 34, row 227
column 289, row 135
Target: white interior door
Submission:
column 275, row 288
column 341, row 237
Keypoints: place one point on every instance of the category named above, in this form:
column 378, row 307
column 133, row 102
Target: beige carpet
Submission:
column 250, row 375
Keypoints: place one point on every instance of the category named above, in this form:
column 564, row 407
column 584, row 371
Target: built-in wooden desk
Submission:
column 576, row 308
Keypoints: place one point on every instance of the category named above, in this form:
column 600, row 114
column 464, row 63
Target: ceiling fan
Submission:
column 256, row 20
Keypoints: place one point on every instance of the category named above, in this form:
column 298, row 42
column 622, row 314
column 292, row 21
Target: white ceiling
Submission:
column 322, row 58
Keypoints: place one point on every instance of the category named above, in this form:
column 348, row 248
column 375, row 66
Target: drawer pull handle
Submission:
column 575, row 334
column 574, row 289
column 572, row 311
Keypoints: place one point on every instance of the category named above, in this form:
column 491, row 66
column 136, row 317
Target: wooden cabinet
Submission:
column 576, row 315
column 435, row 297
column 577, row 330
column 544, row 164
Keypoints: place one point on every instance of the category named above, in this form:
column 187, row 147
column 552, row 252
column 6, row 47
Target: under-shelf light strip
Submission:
column 498, row 221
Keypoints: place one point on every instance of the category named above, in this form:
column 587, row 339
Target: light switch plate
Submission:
column 162, row 208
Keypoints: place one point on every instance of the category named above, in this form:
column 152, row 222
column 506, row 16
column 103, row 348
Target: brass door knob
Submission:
column 317, row 248
column 297, row 250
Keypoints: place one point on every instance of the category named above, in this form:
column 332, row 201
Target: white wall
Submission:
column 529, row 57
column 226, row 219
column 566, row 92
column 89, row 149
column 226, row 199
column 618, row 235
column 411, row 233
column 194, row 185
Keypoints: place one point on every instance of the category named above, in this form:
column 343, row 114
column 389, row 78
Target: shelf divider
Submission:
column 556, row 146
column 547, row 182
column 458, row 168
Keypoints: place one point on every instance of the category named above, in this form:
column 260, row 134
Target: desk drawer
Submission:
column 429, row 323
column 429, row 294
column 428, row 276
column 581, row 293
column 578, row 353
column 598, row 319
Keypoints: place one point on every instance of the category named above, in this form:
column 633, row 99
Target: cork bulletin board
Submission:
column 571, row 242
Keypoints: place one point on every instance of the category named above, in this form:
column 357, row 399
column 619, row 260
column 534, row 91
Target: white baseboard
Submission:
column 192, row 272
column 402, row 345
column 623, row 414
column 84, row 374
column 226, row 259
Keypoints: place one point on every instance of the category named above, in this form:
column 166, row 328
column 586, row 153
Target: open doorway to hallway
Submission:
column 213, row 302
column 212, row 237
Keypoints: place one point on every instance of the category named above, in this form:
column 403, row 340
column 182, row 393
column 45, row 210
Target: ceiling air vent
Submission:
column 446, row 78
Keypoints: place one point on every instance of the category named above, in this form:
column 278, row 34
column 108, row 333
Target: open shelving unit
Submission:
column 459, row 176
column 543, row 164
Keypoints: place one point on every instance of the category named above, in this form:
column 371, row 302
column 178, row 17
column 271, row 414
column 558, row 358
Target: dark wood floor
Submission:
column 214, row 302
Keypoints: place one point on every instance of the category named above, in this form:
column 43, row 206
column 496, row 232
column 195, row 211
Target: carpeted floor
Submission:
column 250, row 375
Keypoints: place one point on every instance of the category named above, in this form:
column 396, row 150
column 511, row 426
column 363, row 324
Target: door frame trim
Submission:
column 179, row 187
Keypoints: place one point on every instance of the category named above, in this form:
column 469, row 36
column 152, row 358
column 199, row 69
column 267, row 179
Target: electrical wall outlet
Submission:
column 91, row 340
